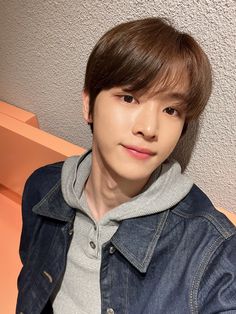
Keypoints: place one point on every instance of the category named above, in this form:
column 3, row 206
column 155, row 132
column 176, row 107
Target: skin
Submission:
column 124, row 124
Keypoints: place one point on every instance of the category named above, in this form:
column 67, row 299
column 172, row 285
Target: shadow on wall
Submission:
column 183, row 150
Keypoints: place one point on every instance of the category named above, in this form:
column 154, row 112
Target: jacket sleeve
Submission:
column 217, row 289
column 36, row 187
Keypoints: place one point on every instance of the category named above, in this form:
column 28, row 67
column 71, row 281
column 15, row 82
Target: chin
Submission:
column 134, row 173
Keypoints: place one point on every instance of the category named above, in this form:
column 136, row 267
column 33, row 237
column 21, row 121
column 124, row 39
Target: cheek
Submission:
column 170, row 134
column 112, row 118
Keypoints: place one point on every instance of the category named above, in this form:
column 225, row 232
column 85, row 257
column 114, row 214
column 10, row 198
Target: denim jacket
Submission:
column 182, row 260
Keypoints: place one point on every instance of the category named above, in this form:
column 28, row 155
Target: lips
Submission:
column 139, row 152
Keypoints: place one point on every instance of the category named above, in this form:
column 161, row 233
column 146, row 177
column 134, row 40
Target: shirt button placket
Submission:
column 110, row 311
column 92, row 244
column 70, row 232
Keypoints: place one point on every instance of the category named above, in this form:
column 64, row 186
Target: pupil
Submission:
column 170, row 110
column 128, row 98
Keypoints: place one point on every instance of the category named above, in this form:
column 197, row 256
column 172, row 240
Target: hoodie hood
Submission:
column 166, row 187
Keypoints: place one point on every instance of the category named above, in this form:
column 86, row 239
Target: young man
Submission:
column 120, row 229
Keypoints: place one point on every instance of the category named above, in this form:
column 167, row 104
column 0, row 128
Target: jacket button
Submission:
column 110, row 311
column 48, row 276
column 112, row 249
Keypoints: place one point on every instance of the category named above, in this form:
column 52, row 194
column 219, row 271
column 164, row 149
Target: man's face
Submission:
column 134, row 133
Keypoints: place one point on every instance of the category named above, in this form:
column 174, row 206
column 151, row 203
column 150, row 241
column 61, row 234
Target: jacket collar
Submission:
column 54, row 206
column 136, row 238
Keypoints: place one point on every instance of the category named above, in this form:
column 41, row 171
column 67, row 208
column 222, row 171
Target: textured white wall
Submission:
column 44, row 46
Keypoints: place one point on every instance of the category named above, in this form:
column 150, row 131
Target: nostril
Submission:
column 148, row 136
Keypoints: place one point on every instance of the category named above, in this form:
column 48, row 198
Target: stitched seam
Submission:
column 156, row 237
column 33, row 278
column 199, row 274
column 149, row 251
column 47, row 196
column 226, row 234
column 126, row 290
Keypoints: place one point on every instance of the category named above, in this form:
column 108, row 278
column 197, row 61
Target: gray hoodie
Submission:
column 79, row 291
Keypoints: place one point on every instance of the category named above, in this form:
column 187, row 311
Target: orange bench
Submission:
column 231, row 216
column 24, row 147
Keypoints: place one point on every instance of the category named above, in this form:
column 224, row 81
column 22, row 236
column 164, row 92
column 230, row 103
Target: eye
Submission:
column 128, row 98
column 171, row 111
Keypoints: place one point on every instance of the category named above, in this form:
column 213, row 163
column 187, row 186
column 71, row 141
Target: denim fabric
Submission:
column 182, row 260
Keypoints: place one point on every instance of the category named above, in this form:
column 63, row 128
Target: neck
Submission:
column 106, row 190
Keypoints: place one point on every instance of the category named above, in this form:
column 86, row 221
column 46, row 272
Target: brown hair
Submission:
column 145, row 53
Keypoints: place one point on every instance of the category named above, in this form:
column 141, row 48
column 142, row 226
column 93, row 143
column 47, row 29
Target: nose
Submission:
column 146, row 122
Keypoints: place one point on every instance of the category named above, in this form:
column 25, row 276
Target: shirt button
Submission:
column 71, row 232
column 112, row 249
column 92, row 244
column 110, row 311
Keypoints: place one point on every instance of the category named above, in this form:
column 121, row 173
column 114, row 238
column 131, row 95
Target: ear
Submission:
column 86, row 114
